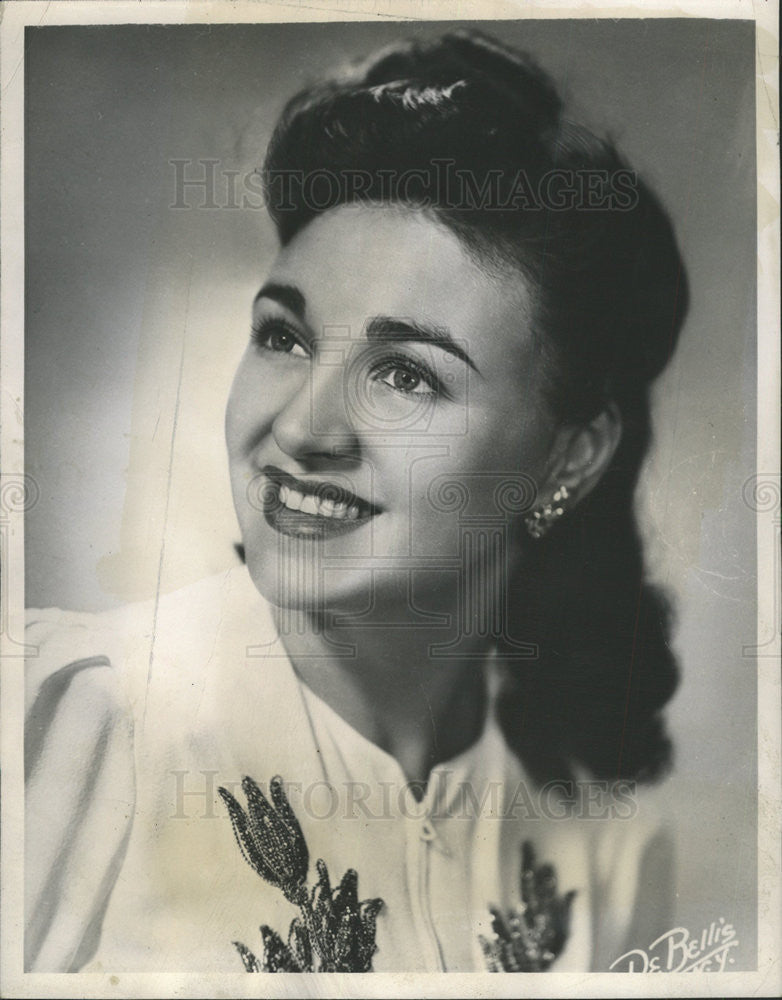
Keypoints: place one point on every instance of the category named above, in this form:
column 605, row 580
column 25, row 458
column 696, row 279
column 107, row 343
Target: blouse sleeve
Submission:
column 79, row 791
column 636, row 895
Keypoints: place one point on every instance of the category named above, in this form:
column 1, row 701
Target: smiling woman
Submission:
column 367, row 386
column 440, row 668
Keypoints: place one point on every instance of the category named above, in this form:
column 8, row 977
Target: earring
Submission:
column 542, row 518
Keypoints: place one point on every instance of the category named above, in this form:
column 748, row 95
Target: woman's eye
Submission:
column 407, row 380
column 277, row 337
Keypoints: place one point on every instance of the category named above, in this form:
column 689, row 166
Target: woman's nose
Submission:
column 316, row 419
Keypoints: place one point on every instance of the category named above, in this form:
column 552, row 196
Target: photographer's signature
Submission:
column 679, row 951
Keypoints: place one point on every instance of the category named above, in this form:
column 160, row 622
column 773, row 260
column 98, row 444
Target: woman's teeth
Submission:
column 309, row 504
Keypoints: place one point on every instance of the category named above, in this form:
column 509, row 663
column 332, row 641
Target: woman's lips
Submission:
column 308, row 503
column 312, row 509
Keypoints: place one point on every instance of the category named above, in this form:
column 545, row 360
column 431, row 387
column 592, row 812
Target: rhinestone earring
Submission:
column 542, row 518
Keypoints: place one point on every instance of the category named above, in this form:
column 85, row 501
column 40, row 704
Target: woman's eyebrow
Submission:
column 385, row 328
column 391, row 328
column 287, row 295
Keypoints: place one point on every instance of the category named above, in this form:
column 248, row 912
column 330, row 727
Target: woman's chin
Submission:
column 299, row 590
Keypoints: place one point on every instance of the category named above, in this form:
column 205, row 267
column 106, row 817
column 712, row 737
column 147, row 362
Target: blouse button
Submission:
column 428, row 832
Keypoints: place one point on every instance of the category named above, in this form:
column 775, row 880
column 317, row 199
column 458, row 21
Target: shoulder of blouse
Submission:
column 634, row 854
column 79, row 787
column 74, row 643
column 82, row 678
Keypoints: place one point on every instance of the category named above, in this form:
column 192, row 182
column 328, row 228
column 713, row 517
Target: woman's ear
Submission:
column 581, row 454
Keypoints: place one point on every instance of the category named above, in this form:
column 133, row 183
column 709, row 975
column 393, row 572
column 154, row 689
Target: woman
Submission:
column 440, row 669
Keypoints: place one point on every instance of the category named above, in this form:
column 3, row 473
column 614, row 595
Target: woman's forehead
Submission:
column 356, row 262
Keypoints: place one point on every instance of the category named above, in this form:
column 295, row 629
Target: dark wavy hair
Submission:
column 609, row 298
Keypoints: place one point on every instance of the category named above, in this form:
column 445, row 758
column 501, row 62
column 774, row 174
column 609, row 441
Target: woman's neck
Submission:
column 385, row 683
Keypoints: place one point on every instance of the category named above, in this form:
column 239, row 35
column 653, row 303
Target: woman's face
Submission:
column 383, row 364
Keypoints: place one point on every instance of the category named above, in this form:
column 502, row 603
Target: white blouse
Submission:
column 137, row 716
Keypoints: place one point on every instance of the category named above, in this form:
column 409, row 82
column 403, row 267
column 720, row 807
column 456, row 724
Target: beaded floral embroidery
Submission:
column 528, row 938
column 334, row 932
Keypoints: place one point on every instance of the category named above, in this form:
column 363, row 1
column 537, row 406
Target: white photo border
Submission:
column 767, row 980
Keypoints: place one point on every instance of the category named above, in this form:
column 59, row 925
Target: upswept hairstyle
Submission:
column 473, row 132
